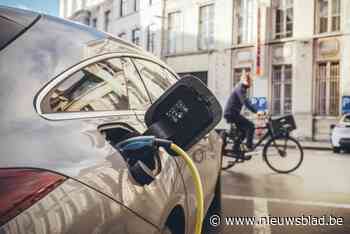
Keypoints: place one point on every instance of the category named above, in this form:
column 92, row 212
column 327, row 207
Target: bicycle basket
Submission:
column 283, row 123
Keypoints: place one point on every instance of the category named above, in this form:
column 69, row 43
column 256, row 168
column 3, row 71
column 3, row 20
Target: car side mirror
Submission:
column 332, row 126
column 184, row 114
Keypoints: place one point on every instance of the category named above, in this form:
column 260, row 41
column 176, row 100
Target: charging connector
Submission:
column 136, row 149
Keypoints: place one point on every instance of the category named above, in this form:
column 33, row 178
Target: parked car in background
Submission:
column 341, row 134
column 69, row 94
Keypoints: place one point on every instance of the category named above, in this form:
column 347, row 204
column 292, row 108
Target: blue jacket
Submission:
column 236, row 101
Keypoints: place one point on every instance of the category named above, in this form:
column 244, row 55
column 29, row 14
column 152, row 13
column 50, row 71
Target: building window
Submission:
column 174, row 32
column 206, row 27
column 281, row 89
column 328, row 16
column 327, row 88
column 94, row 22
column 107, row 20
column 136, row 5
column 87, row 19
column 123, row 7
column 136, row 36
column 246, row 21
column 151, row 35
column 284, row 19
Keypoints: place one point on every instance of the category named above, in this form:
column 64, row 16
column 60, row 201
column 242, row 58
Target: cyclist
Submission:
column 233, row 110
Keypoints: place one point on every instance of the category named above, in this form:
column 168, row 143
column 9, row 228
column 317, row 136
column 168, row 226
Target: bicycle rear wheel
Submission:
column 283, row 154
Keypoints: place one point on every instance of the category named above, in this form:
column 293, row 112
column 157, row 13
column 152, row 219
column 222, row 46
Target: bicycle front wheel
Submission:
column 283, row 154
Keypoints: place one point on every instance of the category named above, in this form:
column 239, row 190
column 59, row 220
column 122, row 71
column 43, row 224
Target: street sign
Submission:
column 346, row 104
column 260, row 103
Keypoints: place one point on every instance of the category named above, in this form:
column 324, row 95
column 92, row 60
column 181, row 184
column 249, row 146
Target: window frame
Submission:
column 210, row 27
column 107, row 19
column 87, row 19
column 178, row 33
column 327, row 80
column 247, row 17
column 94, row 22
column 282, row 88
column 136, row 7
column 151, row 38
column 40, row 96
column 123, row 11
column 133, row 33
column 284, row 33
column 330, row 16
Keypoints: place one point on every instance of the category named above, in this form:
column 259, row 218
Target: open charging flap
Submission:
column 184, row 114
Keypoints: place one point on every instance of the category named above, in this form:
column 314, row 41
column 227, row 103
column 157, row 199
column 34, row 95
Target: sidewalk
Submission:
column 316, row 145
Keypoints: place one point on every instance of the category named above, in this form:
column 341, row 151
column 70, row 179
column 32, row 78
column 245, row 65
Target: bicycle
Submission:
column 278, row 146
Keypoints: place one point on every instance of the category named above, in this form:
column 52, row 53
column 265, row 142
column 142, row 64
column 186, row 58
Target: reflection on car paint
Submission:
column 75, row 208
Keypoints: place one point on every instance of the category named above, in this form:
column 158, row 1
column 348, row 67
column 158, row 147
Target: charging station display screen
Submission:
column 184, row 114
column 177, row 112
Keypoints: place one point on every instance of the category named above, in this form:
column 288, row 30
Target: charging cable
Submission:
column 169, row 145
column 134, row 147
column 198, row 186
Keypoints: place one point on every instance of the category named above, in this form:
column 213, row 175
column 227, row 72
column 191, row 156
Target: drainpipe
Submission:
column 162, row 40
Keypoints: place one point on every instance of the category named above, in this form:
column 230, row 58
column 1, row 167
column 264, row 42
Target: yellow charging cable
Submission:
column 198, row 186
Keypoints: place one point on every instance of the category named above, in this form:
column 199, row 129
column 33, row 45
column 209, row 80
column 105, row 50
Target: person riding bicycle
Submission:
column 232, row 114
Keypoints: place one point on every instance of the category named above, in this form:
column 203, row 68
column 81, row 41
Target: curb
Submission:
column 309, row 147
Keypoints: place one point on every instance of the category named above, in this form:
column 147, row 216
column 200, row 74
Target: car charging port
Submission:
column 143, row 162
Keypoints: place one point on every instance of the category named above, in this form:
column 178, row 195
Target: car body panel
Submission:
column 71, row 143
column 13, row 23
column 75, row 208
column 205, row 155
column 21, row 17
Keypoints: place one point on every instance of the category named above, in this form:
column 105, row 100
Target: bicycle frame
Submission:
column 272, row 139
column 268, row 134
column 264, row 137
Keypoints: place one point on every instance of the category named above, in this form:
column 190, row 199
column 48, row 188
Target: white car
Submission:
column 341, row 134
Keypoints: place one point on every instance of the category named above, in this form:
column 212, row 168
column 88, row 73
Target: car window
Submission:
column 347, row 118
column 104, row 86
column 138, row 96
column 156, row 78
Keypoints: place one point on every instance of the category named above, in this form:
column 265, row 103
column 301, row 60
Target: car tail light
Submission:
column 21, row 188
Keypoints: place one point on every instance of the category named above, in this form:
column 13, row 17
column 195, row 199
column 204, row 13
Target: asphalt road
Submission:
column 316, row 196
